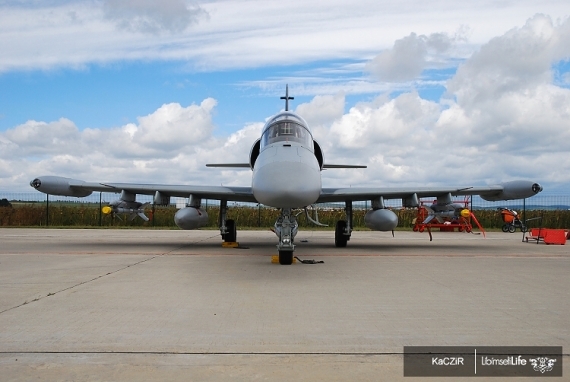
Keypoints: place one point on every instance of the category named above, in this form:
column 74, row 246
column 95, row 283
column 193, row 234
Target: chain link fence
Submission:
column 35, row 209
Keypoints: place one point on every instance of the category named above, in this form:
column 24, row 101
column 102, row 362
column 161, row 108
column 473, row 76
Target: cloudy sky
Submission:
column 424, row 93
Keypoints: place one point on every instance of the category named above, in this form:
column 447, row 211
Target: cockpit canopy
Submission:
column 287, row 127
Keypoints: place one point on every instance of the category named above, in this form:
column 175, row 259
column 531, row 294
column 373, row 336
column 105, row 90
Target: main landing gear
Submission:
column 286, row 228
column 227, row 227
column 343, row 228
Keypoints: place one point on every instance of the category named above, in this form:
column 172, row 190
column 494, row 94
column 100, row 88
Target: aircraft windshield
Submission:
column 286, row 128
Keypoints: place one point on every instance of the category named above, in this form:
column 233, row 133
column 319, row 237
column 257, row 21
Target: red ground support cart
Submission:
column 445, row 217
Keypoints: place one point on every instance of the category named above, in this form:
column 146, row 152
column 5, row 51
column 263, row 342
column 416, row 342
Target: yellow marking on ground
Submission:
column 275, row 259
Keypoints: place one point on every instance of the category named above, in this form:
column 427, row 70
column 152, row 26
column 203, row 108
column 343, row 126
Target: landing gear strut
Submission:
column 227, row 227
column 286, row 228
column 343, row 228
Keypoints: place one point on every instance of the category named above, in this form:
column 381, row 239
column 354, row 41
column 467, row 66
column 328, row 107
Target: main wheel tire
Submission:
column 340, row 239
column 512, row 229
column 231, row 236
column 285, row 257
column 505, row 228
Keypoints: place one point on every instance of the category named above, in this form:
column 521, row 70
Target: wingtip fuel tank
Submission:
column 57, row 185
column 516, row 189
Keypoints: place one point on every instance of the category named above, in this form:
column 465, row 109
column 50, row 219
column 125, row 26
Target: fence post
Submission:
column 100, row 209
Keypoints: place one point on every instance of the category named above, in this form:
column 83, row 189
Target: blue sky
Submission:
column 450, row 93
column 111, row 95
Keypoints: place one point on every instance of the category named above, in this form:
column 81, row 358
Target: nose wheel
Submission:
column 286, row 228
column 285, row 257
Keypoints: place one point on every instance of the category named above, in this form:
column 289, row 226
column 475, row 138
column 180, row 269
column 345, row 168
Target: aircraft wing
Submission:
column 247, row 165
column 235, row 165
column 55, row 185
column 327, row 165
column 240, row 194
column 518, row 189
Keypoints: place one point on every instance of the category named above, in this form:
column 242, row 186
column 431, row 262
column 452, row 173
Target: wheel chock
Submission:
column 275, row 259
column 230, row 244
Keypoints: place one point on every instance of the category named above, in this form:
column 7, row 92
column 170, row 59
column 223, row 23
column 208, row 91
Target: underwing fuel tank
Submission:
column 381, row 220
column 191, row 218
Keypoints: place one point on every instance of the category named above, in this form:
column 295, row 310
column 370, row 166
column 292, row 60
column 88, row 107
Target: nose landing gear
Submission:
column 286, row 228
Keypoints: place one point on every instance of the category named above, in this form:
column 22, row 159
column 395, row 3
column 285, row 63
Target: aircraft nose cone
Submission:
column 287, row 184
column 36, row 183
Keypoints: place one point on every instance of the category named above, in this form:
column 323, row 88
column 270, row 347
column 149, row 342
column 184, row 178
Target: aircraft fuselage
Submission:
column 286, row 173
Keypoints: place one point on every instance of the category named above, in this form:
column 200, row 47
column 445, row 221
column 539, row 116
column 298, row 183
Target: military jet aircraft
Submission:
column 287, row 163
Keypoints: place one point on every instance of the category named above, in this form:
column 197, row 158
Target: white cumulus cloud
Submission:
column 517, row 61
column 503, row 118
column 409, row 57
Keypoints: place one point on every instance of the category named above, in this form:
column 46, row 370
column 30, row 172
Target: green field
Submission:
column 89, row 215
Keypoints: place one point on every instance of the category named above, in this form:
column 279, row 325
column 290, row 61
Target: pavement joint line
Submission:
column 142, row 352
column 202, row 353
column 101, row 276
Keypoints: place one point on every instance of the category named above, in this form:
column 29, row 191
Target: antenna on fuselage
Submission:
column 287, row 98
